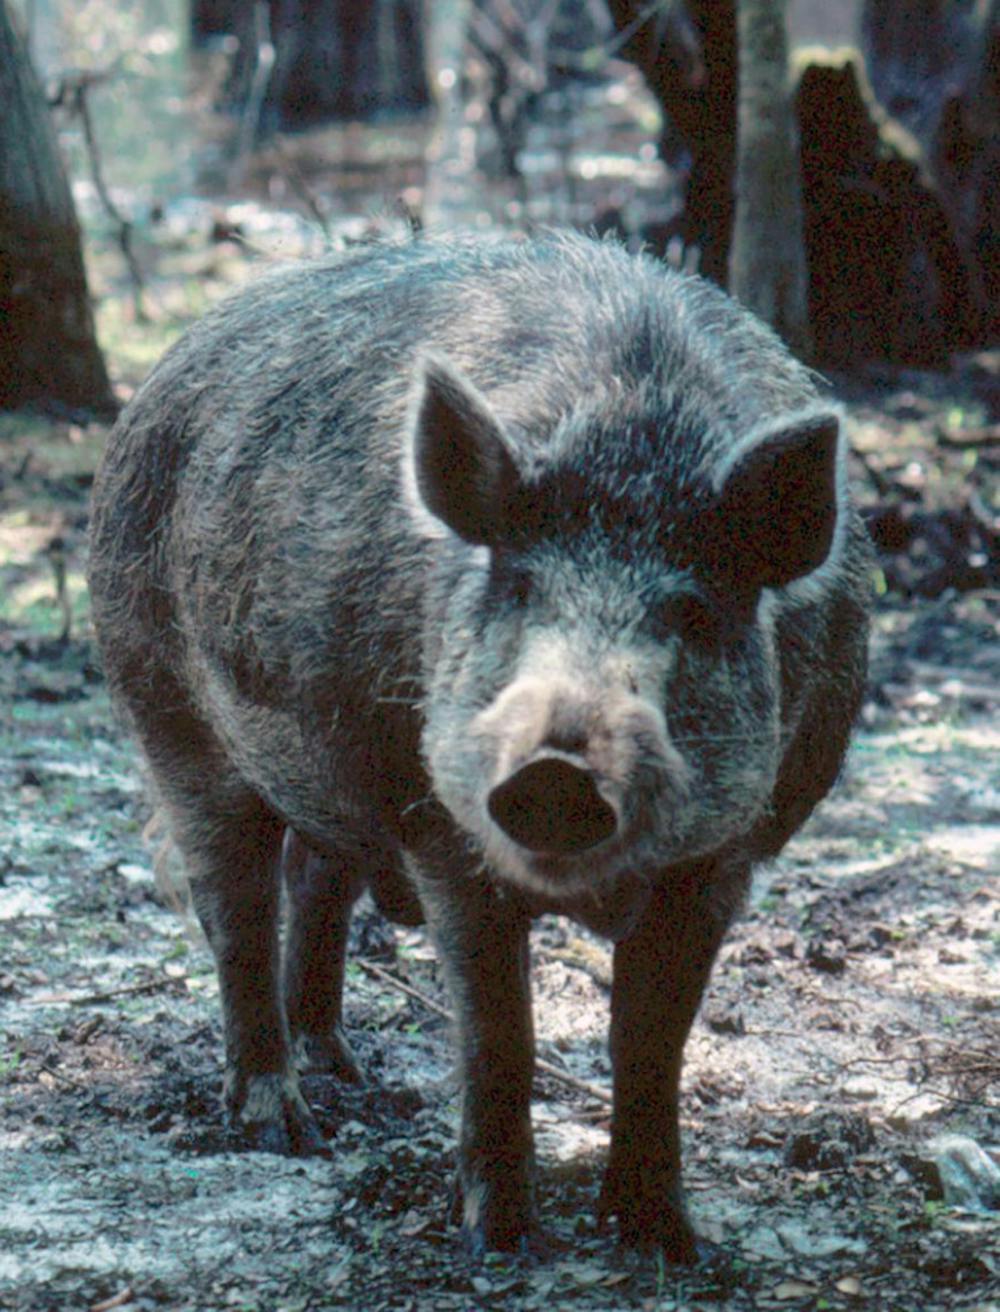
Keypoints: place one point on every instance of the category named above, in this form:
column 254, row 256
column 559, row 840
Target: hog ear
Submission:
column 461, row 461
column 778, row 496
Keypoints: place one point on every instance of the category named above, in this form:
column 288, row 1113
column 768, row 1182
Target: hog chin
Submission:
column 643, row 849
column 551, row 876
column 595, row 871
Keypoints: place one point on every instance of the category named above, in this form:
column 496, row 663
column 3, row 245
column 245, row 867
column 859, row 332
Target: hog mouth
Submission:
column 557, row 824
column 553, row 809
column 591, row 877
column 600, row 863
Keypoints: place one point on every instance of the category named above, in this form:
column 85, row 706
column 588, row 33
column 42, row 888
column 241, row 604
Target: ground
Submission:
column 853, row 1020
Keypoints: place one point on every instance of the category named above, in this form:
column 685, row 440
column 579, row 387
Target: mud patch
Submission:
column 853, row 1019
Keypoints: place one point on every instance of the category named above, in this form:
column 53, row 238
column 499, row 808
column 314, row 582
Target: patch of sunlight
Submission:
column 32, row 598
column 75, row 769
column 135, row 347
column 929, row 740
column 617, row 166
column 18, row 900
column 563, row 1139
column 38, row 591
column 973, row 845
column 980, row 738
column 20, row 540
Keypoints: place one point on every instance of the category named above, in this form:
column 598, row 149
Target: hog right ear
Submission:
column 461, row 461
column 779, row 496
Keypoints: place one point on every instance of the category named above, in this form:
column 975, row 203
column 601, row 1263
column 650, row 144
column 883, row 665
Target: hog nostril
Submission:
column 550, row 805
column 566, row 736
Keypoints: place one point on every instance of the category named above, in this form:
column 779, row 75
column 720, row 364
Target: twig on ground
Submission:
column 546, row 1068
column 88, row 999
column 116, row 1300
column 963, row 438
column 58, row 1075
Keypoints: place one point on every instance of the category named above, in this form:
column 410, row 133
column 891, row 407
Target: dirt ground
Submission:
column 852, row 1024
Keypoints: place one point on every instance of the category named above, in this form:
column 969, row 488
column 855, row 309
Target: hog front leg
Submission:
column 660, row 974
column 482, row 940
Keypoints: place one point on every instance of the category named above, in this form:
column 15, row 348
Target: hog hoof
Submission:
column 529, row 1244
column 327, row 1054
column 495, row 1220
column 273, row 1117
column 651, row 1220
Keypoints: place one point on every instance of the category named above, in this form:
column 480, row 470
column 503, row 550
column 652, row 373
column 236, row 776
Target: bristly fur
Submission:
column 385, row 534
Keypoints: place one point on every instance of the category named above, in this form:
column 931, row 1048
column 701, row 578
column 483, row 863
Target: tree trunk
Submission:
column 936, row 66
column 449, row 160
column 334, row 59
column 912, row 49
column 767, row 269
column 48, row 353
column 886, row 277
column 687, row 54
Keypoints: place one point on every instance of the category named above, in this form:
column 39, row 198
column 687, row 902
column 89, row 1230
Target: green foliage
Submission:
column 10, row 1061
column 934, row 1211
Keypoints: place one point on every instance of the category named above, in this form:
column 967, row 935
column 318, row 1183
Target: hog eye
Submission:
column 693, row 619
column 520, row 588
column 509, row 584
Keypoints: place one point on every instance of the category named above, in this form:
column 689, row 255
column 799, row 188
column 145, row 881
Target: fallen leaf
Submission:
column 125, row 1296
column 789, row 1289
column 850, row 1285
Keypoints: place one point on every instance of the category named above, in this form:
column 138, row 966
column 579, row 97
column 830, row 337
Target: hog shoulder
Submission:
column 268, row 563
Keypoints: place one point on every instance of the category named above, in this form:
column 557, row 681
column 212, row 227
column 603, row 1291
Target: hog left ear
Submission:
column 462, row 463
column 778, row 497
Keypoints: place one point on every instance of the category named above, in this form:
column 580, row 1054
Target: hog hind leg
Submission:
column 230, row 842
column 321, row 892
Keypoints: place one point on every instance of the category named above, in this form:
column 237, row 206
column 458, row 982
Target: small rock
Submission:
column 851, row 1286
column 949, row 958
column 827, row 1020
column 860, row 1090
column 828, row 1141
column 828, row 955
column 755, row 954
column 725, row 1020
column 969, row 1176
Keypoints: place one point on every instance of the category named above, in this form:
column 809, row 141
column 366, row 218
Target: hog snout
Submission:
column 576, row 765
column 553, row 805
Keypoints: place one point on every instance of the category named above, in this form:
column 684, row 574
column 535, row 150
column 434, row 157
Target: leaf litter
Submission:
column 851, row 1029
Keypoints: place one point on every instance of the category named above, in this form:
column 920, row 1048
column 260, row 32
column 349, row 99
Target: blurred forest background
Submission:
column 153, row 156
column 285, row 125
column 192, row 139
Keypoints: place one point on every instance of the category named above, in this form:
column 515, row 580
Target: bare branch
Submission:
column 546, row 1068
